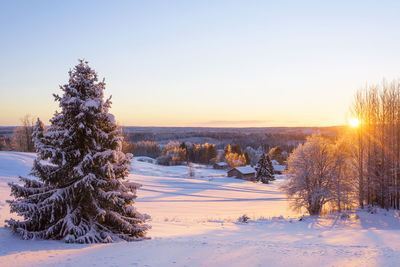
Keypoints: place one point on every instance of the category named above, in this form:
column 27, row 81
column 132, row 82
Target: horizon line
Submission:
column 227, row 127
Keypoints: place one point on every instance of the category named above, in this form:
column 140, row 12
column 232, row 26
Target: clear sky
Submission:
column 200, row 63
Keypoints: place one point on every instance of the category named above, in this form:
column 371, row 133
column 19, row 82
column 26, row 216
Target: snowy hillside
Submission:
column 194, row 223
column 168, row 194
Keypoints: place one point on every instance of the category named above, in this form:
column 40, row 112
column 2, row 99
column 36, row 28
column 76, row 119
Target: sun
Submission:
column 354, row 122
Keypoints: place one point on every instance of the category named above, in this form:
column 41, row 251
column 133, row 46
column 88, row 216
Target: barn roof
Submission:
column 279, row 168
column 245, row 169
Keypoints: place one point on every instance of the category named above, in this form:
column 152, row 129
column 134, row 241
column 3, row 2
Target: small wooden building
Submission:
column 245, row 173
column 274, row 162
column 279, row 169
column 220, row 165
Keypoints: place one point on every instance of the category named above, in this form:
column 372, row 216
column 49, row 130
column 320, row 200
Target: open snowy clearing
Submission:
column 194, row 223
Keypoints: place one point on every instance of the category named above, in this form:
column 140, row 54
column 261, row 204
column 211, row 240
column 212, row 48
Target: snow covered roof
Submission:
column 245, row 169
column 221, row 164
column 279, row 168
column 274, row 162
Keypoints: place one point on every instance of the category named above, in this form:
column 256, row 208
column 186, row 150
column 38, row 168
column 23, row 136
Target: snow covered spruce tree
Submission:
column 265, row 169
column 81, row 194
column 38, row 134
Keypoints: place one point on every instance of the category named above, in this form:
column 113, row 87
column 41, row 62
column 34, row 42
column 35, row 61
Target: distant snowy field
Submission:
column 194, row 223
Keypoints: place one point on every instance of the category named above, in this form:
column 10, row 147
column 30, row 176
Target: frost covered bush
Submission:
column 164, row 160
column 372, row 209
column 344, row 216
column 244, row 219
column 81, row 194
column 191, row 171
column 277, row 218
column 320, row 172
column 308, row 175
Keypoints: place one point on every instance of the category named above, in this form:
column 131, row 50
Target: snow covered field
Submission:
column 194, row 223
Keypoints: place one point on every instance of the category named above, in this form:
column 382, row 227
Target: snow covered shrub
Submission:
column 244, row 219
column 81, row 194
column 146, row 159
column 372, row 209
column 344, row 216
column 191, row 170
column 164, row 160
column 308, row 175
column 279, row 218
column 320, row 172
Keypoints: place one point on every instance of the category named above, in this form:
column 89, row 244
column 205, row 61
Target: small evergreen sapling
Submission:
column 38, row 135
column 265, row 169
column 81, row 194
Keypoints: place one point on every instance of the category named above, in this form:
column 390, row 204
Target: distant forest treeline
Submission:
column 285, row 137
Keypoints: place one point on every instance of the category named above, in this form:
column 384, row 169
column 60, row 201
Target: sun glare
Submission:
column 354, row 122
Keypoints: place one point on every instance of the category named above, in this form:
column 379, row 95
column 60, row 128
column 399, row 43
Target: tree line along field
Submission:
column 197, row 145
column 285, row 137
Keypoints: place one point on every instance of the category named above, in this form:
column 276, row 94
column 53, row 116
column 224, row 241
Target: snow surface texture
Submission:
column 195, row 224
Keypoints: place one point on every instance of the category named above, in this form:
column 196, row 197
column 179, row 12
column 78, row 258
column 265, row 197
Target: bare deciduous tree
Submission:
column 319, row 172
column 308, row 175
column 22, row 136
column 378, row 144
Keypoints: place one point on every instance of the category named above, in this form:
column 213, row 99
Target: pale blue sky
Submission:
column 200, row 63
